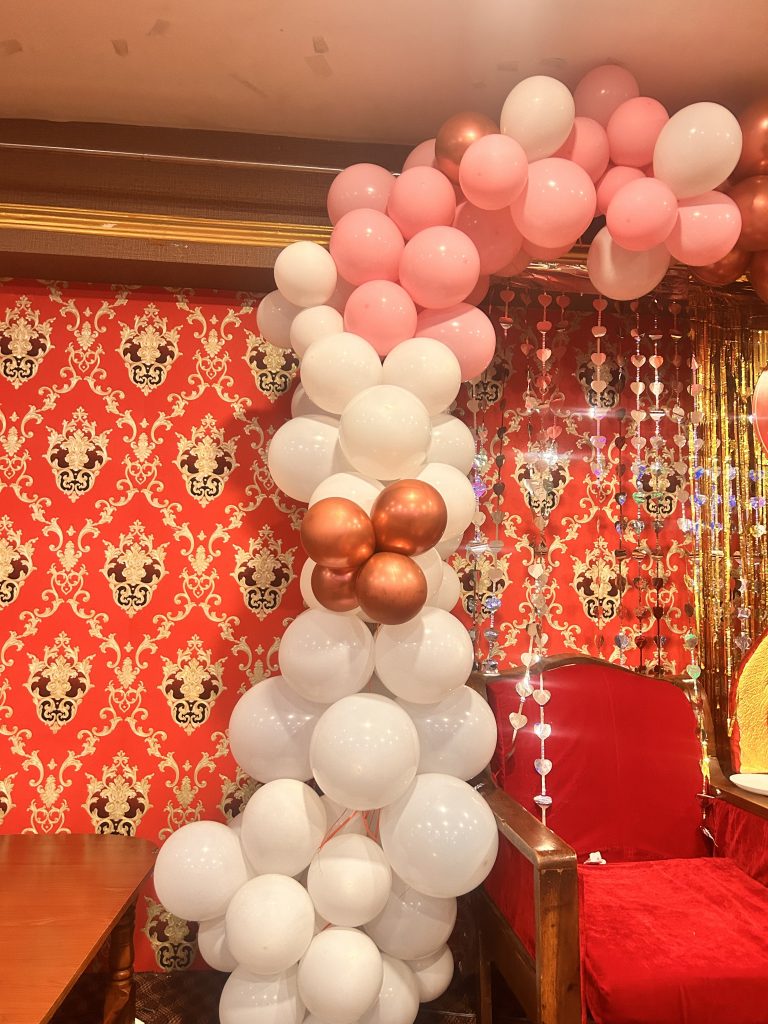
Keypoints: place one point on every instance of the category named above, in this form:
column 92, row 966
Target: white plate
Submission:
column 753, row 783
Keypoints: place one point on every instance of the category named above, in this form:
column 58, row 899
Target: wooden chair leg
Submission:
column 120, row 999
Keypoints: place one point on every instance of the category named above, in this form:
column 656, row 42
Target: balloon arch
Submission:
column 334, row 892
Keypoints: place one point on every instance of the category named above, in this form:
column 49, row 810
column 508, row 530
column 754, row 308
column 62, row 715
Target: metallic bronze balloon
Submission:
column 335, row 590
column 724, row 271
column 455, row 137
column 391, row 588
column 337, row 533
column 754, row 141
column 408, row 516
column 758, row 274
column 751, row 197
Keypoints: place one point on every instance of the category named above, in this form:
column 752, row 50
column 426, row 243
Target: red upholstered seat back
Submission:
column 625, row 757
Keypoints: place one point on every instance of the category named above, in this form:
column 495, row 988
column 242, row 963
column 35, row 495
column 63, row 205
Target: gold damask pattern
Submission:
column 147, row 563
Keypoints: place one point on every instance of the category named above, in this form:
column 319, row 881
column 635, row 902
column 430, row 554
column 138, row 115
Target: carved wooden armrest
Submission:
column 733, row 794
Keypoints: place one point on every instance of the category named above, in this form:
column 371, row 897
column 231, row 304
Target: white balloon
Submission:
column 619, row 273
column 440, row 836
column 338, row 367
column 212, row 943
column 303, row 452
column 340, row 976
column 364, row 751
column 412, row 924
column 313, row 323
column 274, row 317
column 697, row 149
column 385, row 432
column 305, row 584
column 457, row 494
column 457, row 736
column 431, row 564
column 398, row 1001
column 423, row 659
column 302, row 405
column 360, row 489
column 448, row 546
column 538, row 114
column 305, row 273
column 342, row 821
column 270, row 923
column 198, row 870
column 270, row 729
column 324, row 656
column 427, row 368
column 349, row 880
column 433, row 974
column 452, row 443
column 252, row 999
column 449, row 591
column 236, row 823
column 283, row 826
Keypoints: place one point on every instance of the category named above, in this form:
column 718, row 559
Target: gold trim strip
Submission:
column 112, row 224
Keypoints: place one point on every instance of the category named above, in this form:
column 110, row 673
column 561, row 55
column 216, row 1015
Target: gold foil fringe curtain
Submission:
column 730, row 340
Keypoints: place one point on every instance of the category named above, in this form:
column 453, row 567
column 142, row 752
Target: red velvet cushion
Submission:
column 741, row 836
column 674, row 942
column 625, row 761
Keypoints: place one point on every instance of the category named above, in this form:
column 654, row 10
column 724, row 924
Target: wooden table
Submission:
column 60, row 897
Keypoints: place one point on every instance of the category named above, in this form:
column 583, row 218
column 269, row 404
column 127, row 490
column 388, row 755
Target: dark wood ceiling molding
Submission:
column 151, row 202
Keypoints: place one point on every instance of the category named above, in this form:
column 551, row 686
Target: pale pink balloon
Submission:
column 494, row 233
column 544, row 252
column 341, row 294
column 422, row 197
column 620, row 274
column 422, row 155
column 610, row 183
column 366, row 246
column 633, row 130
column 381, row 312
column 492, row 172
column 480, row 291
column 359, row 187
column 515, row 266
column 587, row 146
column 467, row 332
column 641, row 214
column 439, row 267
column 557, row 204
column 602, row 90
column 706, row 229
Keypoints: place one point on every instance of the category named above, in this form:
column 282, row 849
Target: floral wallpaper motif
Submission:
column 148, row 566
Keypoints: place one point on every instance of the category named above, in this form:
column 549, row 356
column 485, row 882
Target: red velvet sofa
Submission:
column 673, row 928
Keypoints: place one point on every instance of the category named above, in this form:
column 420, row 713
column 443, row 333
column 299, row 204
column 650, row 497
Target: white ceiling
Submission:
column 376, row 70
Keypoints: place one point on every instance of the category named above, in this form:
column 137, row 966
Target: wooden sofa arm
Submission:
column 732, row 794
column 555, row 995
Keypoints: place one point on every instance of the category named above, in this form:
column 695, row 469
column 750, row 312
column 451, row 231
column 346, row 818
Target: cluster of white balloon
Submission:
column 337, row 898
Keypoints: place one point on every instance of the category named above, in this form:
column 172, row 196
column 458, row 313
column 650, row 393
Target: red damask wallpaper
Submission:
column 148, row 567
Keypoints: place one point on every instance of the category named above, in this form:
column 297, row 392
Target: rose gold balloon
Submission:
column 456, row 136
column 724, row 271
column 337, row 533
column 751, row 197
column 335, row 590
column 408, row 516
column 754, row 141
column 391, row 588
column 760, row 410
column 758, row 275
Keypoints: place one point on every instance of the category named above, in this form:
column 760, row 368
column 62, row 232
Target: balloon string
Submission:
column 338, row 828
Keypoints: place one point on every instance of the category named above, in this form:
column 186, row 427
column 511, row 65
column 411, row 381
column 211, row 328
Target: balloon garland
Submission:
column 340, row 904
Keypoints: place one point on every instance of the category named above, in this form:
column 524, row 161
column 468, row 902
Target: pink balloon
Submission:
column 633, row 130
column 544, row 252
column 422, row 197
column 620, row 274
column 479, row 292
column 439, row 267
column 602, row 90
column 492, row 172
column 422, row 155
column 706, row 229
column 467, row 332
column 341, row 294
column 642, row 214
column 359, row 187
column 557, row 204
column 366, row 246
column 494, row 233
column 381, row 312
column 587, row 146
column 610, row 183
column 515, row 266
